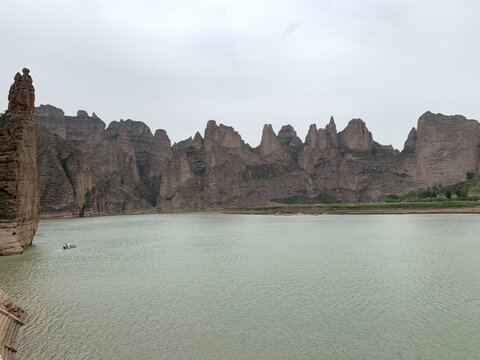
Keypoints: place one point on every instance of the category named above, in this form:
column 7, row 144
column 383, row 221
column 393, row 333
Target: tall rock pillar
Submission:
column 19, row 200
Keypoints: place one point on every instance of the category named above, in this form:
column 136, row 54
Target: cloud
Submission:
column 290, row 29
column 174, row 65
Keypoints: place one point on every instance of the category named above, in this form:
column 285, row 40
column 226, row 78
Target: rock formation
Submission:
column 19, row 201
column 84, row 131
column 64, row 176
column 290, row 141
column 446, row 147
column 124, row 168
column 52, row 118
column 98, row 171
column 356, row 136
column 223, row 171
column 270, row 149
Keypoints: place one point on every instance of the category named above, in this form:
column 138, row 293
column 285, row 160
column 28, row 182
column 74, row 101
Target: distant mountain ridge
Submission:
column 88, row 169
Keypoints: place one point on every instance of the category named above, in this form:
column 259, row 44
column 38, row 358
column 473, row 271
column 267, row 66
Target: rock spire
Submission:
column 19, row 201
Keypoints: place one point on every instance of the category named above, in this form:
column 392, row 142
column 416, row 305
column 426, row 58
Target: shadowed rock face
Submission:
column 19, row 201
column 127, row 169
column 64, row 177
column 290, row 141
column 270, row 149
column 118, row 171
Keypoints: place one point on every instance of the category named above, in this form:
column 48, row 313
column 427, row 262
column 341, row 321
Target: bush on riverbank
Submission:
column 464, row 190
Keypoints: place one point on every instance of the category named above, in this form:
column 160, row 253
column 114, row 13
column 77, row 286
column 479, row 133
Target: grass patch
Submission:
column 366, row 206
column 302, row 199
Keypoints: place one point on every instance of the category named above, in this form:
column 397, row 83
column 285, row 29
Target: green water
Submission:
column 212, row 286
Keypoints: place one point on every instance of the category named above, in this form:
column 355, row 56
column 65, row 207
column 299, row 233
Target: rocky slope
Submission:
column 19, row 201
column 124, row 168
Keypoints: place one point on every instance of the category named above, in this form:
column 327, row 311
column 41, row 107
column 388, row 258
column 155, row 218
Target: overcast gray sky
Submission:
column 176, row 64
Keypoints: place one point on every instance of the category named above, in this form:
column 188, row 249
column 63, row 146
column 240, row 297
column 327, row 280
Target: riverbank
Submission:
column 12, row 318
column 442, row 207
column 452, row 207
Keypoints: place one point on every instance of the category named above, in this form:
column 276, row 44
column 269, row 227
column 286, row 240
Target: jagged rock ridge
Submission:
column 126, row 169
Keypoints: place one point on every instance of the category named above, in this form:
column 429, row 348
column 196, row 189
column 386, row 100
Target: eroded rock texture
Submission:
column 125, row 169
column 19, row 201
column 96, row 170
column 445, row 148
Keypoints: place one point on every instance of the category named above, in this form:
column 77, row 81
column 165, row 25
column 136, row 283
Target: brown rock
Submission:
column 52, row 118
column 64, row 177
column 411, row 139
column 290, row 141
column 83, row 131
column 445, row 149
column 21, row 97
column 270, row 149
column 225, row 171
column 131, row 170
column 19, row 201
column 356, row 136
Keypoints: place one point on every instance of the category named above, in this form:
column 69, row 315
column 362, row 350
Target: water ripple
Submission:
column 193, row 286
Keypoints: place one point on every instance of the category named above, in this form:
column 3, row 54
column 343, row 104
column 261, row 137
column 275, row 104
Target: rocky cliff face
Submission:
column 64, row 176
column 84, row 131
column 98, row 171
column 52, row 118
column 221, row 170
column 271, row 149
column 356, row 136
column 124, row 168
column 446, row 147
column 19, row 201
column 349, row 166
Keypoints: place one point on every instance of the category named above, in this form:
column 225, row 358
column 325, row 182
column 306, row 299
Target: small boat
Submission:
column 69, row 246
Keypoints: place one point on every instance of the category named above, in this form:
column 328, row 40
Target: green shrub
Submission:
column 448, row 193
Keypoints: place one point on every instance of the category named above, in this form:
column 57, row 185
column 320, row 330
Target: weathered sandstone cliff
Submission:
column 19, row 201
column 445, row 148
column 98, row 171
column 124, row 168
column 64, row 177
column 221, row 170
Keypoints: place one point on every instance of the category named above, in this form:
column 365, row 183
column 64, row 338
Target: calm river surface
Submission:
column 213, row 286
